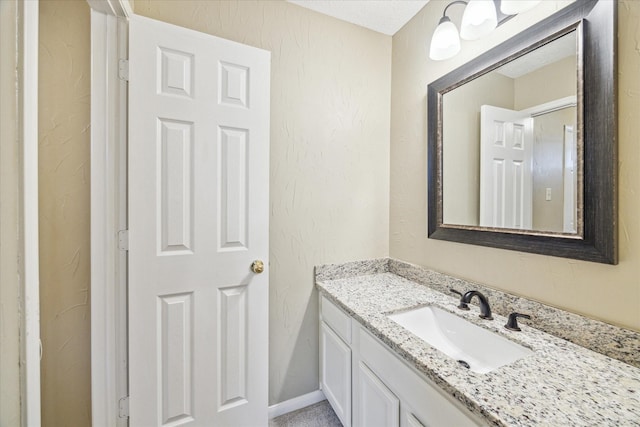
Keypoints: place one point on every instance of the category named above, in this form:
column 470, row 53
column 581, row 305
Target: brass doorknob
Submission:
column 257, row 266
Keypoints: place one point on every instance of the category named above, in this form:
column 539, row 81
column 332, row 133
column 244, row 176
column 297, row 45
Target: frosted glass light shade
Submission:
column 479, row 19
column 513, row 7
column 445, row 42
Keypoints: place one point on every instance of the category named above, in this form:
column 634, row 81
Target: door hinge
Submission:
column 123, row 407
column 123, row 69
column 123, row 240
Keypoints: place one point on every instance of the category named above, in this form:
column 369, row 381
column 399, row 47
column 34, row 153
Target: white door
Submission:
column 198, row 218
column 506, row 154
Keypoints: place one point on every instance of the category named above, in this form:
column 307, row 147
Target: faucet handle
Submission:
column 512, row 322
column 463, row 305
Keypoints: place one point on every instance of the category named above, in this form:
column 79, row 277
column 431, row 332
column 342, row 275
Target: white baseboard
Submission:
column 295, row 403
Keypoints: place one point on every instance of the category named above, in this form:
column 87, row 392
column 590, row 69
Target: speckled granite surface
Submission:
column 615, row 342
column 351, row 269
column 560, row 384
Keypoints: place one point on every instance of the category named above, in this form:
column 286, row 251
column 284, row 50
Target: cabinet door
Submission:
column 410, row 420
column 377, row 405
column 335, row 373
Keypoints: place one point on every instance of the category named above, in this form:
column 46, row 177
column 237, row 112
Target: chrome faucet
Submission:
column 485, row 309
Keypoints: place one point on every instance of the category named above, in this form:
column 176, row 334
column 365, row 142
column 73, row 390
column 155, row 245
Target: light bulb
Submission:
column 478, row 20
column 445, row 42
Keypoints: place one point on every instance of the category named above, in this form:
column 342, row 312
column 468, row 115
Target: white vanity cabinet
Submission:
column 378, row 389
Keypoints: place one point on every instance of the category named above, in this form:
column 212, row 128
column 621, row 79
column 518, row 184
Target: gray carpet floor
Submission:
column 318, row 415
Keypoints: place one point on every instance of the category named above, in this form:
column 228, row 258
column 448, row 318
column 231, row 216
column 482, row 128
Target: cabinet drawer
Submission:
column 339, row 321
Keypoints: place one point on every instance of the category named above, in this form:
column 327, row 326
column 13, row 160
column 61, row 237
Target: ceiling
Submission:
column 383, row 16
column 558, row 49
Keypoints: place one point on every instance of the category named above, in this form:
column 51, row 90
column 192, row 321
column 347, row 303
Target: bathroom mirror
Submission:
column 522, row 141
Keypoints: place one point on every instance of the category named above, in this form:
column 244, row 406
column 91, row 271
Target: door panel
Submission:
column 232, row 349
column 233, row 188
column 198, row 218
column 176, row 186
column 176, row 336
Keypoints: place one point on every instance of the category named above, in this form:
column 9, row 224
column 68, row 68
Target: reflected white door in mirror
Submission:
column 506, row 159
column 528, row 167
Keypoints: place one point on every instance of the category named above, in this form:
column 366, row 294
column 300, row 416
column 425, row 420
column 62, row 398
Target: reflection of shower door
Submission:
column 506, row 151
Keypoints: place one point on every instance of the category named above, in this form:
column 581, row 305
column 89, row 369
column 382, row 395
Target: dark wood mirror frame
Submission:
column 598, row 93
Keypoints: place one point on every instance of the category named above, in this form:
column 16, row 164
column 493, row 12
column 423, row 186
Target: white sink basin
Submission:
column 480, row 349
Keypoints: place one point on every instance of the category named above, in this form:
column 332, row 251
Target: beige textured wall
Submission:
column 64, row 99
column 330, row 89
column 9, row 261
column 548, row 168
column 554, row 81
column 610, row 293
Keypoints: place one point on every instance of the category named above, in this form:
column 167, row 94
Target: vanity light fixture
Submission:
column 480, row 17
column 445, row 42
column 478, row 20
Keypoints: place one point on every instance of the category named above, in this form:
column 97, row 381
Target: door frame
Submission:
column 109, row 111
column 109, row 389
column 31, row 346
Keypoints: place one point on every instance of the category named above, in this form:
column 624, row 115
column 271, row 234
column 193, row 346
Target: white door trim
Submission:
column 117, row 8
column 548, row 107
column 108, row 211
column 31, row 321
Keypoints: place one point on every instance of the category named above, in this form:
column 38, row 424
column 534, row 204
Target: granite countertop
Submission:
column 560, row 384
